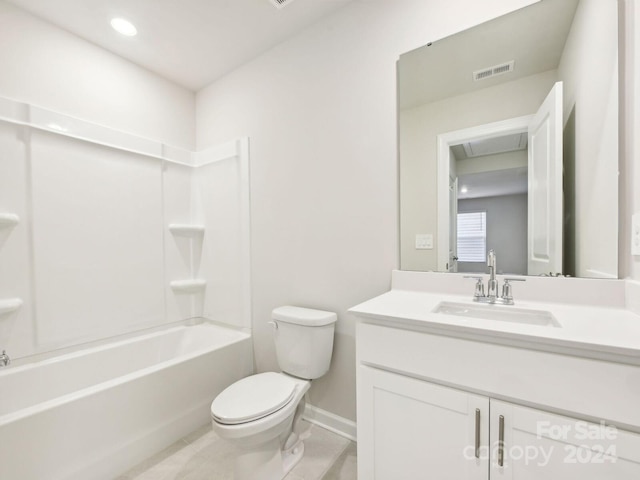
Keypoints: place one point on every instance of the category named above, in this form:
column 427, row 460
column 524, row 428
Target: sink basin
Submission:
column 500, row 313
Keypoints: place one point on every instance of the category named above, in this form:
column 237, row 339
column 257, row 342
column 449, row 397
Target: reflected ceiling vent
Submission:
column 492, row 146
column 491, row 71
column 280, row 3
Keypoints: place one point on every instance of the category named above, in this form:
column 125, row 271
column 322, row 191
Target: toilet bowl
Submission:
column 258, row 416
column 261, row 414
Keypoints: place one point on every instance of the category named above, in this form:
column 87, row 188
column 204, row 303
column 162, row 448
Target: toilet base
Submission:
column 292, row 456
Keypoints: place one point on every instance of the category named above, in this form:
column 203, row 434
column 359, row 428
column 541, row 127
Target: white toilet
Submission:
column 261, row 413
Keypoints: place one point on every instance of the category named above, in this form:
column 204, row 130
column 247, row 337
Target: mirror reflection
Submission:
column 509, row 141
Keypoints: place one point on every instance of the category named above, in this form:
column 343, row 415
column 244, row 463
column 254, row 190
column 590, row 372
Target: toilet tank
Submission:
column 304, row 340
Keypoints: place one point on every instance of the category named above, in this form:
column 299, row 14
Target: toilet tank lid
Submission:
column 304, row 316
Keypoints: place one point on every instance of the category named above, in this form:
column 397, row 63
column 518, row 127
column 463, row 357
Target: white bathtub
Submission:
column 94, row 413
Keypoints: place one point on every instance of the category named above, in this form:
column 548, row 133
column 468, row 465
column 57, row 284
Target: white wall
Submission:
column 49, row 67
column 419, row 128
column 321, row 112
column 506, row 232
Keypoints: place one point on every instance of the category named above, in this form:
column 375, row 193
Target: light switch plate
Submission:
column 424, row 241
column 635, row 234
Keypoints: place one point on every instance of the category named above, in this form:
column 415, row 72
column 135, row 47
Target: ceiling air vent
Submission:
column 280, row 3
column 490, row 71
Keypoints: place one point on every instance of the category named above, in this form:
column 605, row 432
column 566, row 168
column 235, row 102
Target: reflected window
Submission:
column 472, row 236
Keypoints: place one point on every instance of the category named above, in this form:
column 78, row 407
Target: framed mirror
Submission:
column 508, row 140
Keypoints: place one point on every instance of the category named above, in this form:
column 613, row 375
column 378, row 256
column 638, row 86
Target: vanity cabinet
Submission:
column 425, row 411
column 541, row 445
column 409, row 429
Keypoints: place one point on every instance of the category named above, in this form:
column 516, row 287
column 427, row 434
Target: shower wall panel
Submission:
column 103, row 233
column 15, row 265
column 97, row 225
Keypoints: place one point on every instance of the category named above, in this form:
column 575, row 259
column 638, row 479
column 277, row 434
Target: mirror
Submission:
column 508, row 140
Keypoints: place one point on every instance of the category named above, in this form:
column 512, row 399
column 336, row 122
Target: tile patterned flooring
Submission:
column 202, row 455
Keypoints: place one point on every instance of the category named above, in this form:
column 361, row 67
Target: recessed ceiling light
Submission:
column 464, row 189
column 125, row 27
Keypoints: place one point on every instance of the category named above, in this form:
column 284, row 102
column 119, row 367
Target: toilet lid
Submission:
column 252, row 398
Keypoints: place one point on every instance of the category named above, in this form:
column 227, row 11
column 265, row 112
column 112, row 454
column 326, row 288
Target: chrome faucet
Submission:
column 4, row 359
column 492, row 285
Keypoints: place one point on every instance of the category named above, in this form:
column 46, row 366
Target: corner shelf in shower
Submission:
column 9, row 220
column 195, row 285
column 10, row 305
column 186, row 230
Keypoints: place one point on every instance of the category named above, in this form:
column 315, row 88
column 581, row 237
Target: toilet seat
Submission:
column 253, row 398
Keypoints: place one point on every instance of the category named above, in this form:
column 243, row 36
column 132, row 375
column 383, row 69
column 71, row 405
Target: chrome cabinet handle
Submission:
column 501, row 441
column 477, row 433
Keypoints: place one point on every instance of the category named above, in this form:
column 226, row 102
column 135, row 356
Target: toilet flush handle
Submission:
column 274, row 324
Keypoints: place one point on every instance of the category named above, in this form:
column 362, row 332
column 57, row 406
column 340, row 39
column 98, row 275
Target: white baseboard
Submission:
column 329, row 421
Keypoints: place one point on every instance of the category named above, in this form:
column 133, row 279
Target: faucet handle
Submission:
column 479, row 291
column 507, row 294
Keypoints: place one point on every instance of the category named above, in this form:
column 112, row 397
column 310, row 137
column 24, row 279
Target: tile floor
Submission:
column 202, row 455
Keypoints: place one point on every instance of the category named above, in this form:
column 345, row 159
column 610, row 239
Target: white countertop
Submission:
column 599, row 332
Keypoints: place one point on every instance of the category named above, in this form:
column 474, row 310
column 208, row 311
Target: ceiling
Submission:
column 533, row 37
column 489, row 181
column 510, row 181
column 190, row 42
column 490, row 146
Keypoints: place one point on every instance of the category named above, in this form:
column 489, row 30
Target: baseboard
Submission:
column 329, row 421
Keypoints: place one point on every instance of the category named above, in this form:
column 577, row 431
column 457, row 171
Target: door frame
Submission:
column 445, row 141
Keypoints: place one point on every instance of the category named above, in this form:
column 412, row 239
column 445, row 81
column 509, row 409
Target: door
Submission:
column 452, row 266
column 544, row 244
column 409, row 429
column 541, row 445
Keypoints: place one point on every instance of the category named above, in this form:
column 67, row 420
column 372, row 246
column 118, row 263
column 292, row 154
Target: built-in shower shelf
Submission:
column 186, row 230
column 195, row 285
column 8, row 220
column 10, row 305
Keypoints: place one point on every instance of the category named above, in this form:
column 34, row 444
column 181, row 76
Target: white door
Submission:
column 409, row 429
column 453, row 225
column 541, row 445
column 544, row 251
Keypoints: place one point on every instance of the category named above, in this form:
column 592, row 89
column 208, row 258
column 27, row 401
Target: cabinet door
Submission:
column 409, row 429
column 540, row 445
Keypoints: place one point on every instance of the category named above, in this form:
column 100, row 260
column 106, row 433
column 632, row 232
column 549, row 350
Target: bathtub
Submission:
column 94, row 413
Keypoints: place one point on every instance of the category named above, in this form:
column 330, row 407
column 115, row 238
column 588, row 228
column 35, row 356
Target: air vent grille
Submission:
column 493, row 71
column 280, row 3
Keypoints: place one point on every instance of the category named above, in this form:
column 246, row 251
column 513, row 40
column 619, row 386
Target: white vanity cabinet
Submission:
column 409, row 429
column 433, row 406
column 541, row 445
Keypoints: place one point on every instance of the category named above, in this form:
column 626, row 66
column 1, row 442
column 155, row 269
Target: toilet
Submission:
column 261, row 413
